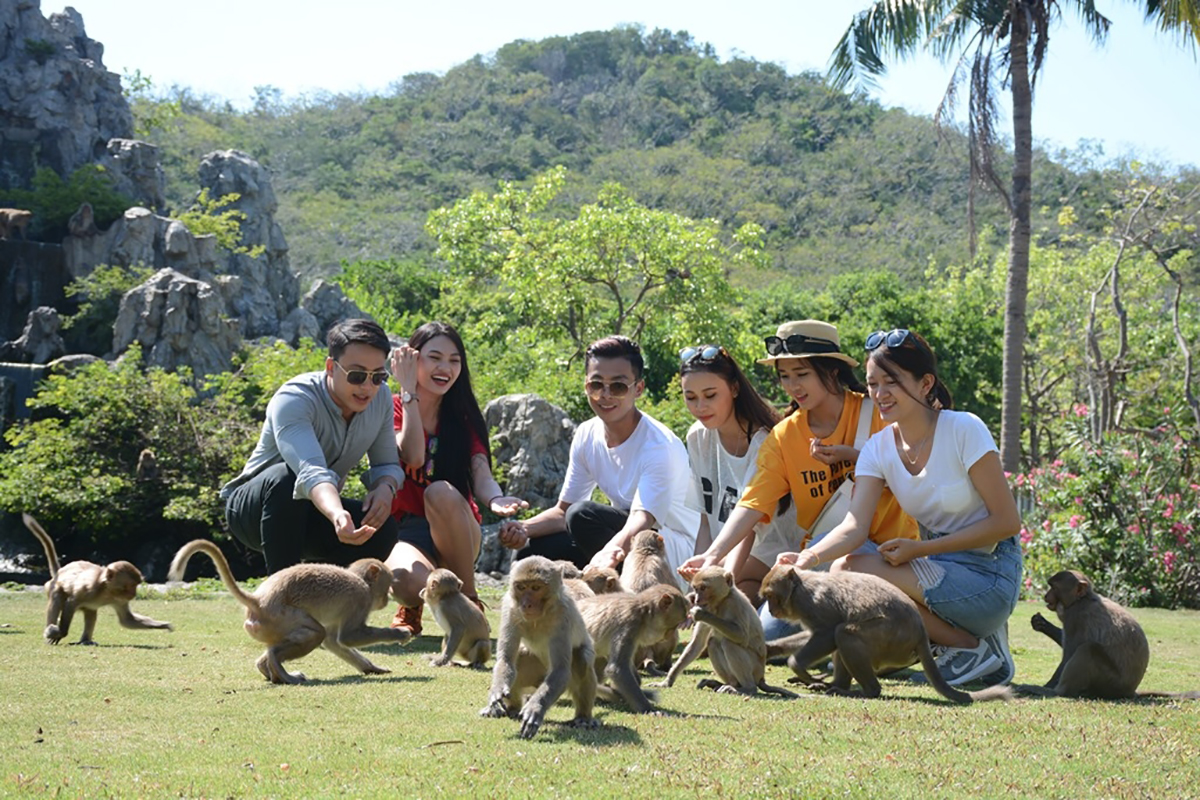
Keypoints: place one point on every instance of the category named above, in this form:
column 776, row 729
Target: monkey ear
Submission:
column 372, row 573
column 729, row 578
column 421, row 594
column 664, row 601
column 1082, row 585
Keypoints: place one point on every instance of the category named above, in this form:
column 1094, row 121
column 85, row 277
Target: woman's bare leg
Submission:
column 455, row 532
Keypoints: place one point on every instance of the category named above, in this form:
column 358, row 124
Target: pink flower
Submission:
column 1080, row 409
column 1057, row 463
column 1026, row 536
column 1134, row 528
column 1168, row 561
column 1167, row 410
column 1047, row 525
column 1078, row 501
column 1028, row 584
column 1074, row 521
column 1169, row 511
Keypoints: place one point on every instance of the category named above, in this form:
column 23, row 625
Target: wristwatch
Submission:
column 407, row 397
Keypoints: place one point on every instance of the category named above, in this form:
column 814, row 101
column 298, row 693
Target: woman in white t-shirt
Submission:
column 943, row 467
column 732, row 421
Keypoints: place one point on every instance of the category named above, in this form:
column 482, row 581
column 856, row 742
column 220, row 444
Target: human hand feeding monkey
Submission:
column 512, row 534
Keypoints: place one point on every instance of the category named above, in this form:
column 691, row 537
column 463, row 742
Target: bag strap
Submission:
column 864, row 423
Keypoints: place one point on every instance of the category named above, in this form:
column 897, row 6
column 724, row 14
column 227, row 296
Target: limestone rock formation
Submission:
column 179, row 321
column 532, row 444
column 39, row 342
column 269, row 290
column 328, row 304
column 59, row 106
column 136, row 171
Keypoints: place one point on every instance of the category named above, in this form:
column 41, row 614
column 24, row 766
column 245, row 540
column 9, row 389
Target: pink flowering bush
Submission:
column 1124, row 512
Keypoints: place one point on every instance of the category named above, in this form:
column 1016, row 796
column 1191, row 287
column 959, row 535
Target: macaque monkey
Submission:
column 646, row 566
column 14, row 219
column 82, row 222
column 569, row 570
column 620, row 623
column 602, row 580
column 84, row 586
column 729, row 626
column 147, row 465
column 466, row 628
column 543, row 643
column 301, row 608
column 1104, row 650
column 868, row 625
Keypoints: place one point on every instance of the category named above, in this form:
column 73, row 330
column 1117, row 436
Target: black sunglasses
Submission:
column 706, row 352
column 357, row 377
column 798, row 343
column 616, row 389
column 893, row 338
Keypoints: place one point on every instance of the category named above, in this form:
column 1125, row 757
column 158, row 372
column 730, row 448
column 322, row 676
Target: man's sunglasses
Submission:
column 798, row 344
column 357, row 377
column 892, row 338
column 705, row 352
column 616, row 389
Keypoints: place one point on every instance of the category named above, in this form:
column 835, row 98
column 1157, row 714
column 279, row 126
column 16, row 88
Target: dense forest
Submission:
column 625, row 181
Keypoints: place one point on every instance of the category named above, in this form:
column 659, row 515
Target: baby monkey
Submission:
column 301, row 608
column 84, row 586
column 466, row 628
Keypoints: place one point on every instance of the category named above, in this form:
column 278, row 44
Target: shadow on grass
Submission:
column 391, row 677
column 603, row 736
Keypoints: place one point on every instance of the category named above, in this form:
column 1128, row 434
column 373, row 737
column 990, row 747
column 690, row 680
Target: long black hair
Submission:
column 458, row 416
column 914, row 356
column 749, row 407
column 836, row 376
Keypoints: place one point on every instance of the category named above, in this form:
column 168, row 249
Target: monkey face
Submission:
column 440, row 583
column 122, row 579
column 531, row 597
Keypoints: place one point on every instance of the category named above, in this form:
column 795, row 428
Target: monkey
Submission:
column 86, row 587
column 14, row 219
column 147, row 465
column 570, row 572
column 82, row 222
column 602, row 580
column 543, row 642
column 577, row 589
column 646, row 566
column 868, row 625
column 620, row 623
column 1104, row 650
column 466, row 628
column 733, row 633
column 303, row 607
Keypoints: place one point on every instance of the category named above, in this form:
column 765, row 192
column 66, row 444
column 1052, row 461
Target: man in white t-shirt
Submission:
column 639, row 464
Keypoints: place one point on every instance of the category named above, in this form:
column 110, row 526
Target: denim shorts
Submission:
column 414, row 530
column 979, row 590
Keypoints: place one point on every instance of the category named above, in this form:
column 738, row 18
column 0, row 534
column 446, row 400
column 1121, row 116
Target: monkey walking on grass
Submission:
column 86, row 587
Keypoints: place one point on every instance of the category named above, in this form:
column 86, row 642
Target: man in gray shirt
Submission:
column 287, row 500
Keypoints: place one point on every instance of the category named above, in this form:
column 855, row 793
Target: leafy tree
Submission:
column 151, row 114
column 206, row 217
column 997, row 38
column 99, row 294
column 399, row 295
column 53, row 200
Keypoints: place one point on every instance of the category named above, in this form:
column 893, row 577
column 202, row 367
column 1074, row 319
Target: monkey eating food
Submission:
column 86, row 587
column 467, row 634
column 303, row 607
column 868, row 625
column 542, row 643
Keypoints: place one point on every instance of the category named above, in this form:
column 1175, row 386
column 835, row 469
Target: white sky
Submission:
column 1140, row 93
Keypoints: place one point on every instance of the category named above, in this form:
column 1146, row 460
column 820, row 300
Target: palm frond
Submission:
column 1180, row 17
column 887, row 29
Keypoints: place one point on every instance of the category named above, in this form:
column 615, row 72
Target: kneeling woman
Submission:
column 443, row 443
column 944, row 469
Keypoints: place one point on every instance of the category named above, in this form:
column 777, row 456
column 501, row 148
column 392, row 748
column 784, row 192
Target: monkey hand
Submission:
column 899, row 551
column 440, row 660
column 513, row 534
column 506, row 506
column 497, row 707
column 531, row 717
column 1040, row 623
column 53, row 634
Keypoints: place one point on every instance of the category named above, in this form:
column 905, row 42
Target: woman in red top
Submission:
column 447, row 463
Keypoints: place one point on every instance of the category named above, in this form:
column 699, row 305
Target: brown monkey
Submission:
column 466, row 628
column 147, row 465
column 646, row 566
column 602, row 580
column 577, row 589
column 14, row 219
column 1104, row 650
column 729, row 626
column 84, row 586
column 868, row 625
column 620, row 623
column 544, row 643
column 83, row 222
column 569, row 570
column 298, row 609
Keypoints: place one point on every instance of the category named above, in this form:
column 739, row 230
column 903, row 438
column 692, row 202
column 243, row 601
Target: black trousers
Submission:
column 589, row 527
column 263, row 516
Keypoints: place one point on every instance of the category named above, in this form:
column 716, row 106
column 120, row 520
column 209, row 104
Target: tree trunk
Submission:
column 1017, row 286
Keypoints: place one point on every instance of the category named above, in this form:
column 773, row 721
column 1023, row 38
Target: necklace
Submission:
column 912, row 462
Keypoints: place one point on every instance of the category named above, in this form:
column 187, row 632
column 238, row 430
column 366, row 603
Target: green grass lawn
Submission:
column 185, row 713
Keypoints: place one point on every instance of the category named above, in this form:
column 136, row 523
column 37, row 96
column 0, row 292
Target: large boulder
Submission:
column 532, row 444
column 136, row 171
column 268, row 289
column 179, row 321
column 59, row 106
column 327, row 304
column 141, row 238
column 40, row 342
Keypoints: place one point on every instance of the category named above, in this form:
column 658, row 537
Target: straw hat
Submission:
column 808, row 338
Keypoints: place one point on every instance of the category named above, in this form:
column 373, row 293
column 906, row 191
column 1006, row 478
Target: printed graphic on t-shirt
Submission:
column 729, row 499
column 822, row 483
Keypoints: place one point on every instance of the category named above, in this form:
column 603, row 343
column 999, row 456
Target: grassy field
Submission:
column 184, row 713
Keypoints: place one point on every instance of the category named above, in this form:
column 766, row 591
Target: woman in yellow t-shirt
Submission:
column 808, row 455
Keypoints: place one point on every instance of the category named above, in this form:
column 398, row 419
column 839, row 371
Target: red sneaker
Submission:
column 409, row 618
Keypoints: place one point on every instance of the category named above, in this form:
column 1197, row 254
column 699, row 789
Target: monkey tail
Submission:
column 937, row 681
column 180, row 561
column 1173, row 695
column 47, row 543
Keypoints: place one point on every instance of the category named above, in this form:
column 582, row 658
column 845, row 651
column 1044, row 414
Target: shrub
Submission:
column 53, row 200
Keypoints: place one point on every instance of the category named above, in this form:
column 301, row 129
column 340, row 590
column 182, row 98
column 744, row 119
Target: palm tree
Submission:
column 994, row 39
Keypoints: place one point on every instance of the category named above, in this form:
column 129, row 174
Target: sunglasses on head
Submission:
column 798, row 343
column 616, row 389
column 705, row 352
column 357, row 377
column 893, row 338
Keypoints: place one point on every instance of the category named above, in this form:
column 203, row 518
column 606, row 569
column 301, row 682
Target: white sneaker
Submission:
column 997, row 642
column 960, row 665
